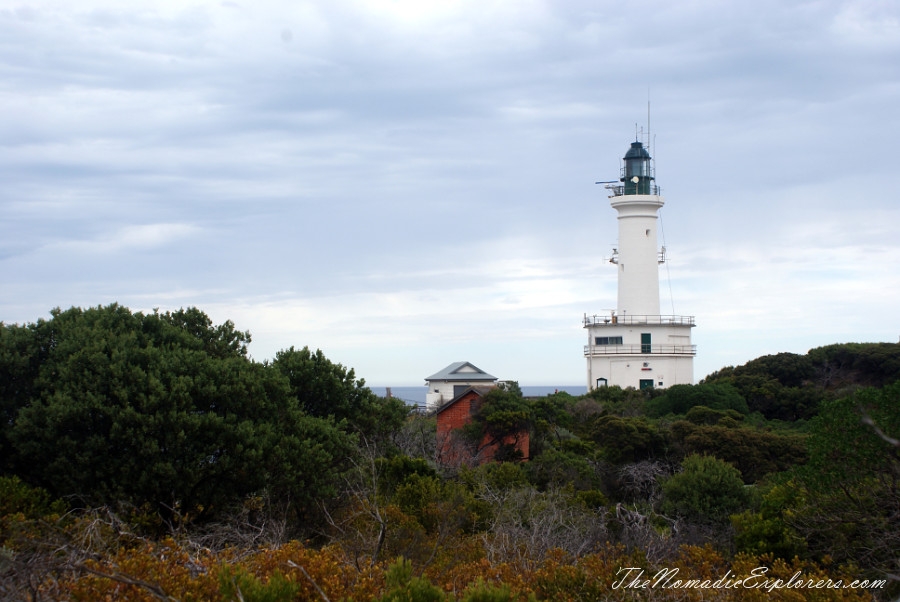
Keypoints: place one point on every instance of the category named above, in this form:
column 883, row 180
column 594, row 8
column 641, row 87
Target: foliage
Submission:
column 789, row 369
column 866, row 364
column 239, row 586
column 525, row 524
column 787, row 386
column 399, row 507
column 164, row 410
column 851, row 440
column 678, row 399
column 167, row 414
column 498, row 476
column 709, row 416
column 552, row 421
column 755, row 453
column 852, row 510
column 500, row 414
column 328, row 390
column 177, row 569
column 624, row 440
column 621, row 402
column 481, row 591
column 763, row 530
column 417, row 437
column 29, row 502
column 556, row 468
column 396, row 470
column 766, row 395
column 436, row 504
column 30, row 523
column 510, row 386
column 707, row 489
column 403, row 587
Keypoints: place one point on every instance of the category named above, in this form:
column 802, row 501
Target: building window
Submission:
column 645, row 344
column 646, row 383
column 602, row 382
column 607, row 340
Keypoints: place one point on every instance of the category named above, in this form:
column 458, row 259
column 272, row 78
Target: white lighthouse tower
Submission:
column 633, row 345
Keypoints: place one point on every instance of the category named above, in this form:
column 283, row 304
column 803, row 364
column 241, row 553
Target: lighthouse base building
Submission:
column 639, row 351
column 634, row 345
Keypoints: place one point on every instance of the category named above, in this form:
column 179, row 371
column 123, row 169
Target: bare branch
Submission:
column 153, row 588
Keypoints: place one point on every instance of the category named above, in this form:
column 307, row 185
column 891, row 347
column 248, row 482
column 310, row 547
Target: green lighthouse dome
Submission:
column 637, row 174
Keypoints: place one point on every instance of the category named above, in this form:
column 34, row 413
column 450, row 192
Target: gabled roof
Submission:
column 462, row 371
column 480, row 391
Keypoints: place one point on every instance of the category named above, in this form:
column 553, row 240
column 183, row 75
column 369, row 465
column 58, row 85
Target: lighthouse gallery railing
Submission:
column 591, row 350
column 610, row 320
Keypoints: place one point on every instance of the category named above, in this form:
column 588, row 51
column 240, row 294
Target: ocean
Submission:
column 416, row 395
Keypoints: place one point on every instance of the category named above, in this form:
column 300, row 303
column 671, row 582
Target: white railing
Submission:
column 619, row 190
column 615, row 320
column 594, row 350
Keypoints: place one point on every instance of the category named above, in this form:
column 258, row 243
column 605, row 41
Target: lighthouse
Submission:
column 634, row 345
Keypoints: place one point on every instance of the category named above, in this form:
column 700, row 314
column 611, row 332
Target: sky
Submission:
column 407, row 184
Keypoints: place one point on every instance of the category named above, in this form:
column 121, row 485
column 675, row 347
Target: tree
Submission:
column 164, row 411
column 417, row 437
column 866, row 364
column 678, row 399
column 852, row 508
column 551, row 419
column 556, row 468
column 328, row 390
column 709, row 416
column 789, row 369
column 501, row 414
column 526, row 524
column 763, row 530
column 707, row 489
column 621, row 402
column 755, row 453
column 22, row 351
column 626, row 440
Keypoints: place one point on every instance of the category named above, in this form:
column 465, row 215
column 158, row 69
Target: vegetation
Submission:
column 148, row 457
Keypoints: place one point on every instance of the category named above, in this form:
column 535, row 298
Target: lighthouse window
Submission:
column 607, row 340
column 638, row 168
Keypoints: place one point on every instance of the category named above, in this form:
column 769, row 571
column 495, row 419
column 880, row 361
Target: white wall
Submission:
column 624, row 365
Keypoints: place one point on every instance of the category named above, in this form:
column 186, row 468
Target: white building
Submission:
column 453, row 380
column 633, row 345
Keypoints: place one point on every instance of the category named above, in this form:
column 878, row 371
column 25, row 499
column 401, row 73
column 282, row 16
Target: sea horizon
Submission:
column 415, row 395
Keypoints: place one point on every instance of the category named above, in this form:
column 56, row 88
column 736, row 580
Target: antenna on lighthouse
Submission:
column 651, row 141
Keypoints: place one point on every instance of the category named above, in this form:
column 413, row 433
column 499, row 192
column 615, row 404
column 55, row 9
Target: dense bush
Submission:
column 706, row 489
column 755, row 453
column 158, row 411
column 678, row 399
column 625, row 440
column 201, row 465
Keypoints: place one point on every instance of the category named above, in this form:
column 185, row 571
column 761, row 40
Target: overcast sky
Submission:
column 404, row 184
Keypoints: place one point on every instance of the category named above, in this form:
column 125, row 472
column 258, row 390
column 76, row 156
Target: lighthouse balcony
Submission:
column 601, row 350
column 628, row 320
column 629, row 189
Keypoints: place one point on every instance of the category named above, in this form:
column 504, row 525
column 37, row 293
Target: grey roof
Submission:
column 453, row 372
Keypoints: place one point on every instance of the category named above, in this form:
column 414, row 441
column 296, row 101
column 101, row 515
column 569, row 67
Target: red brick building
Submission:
column 454, row 449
